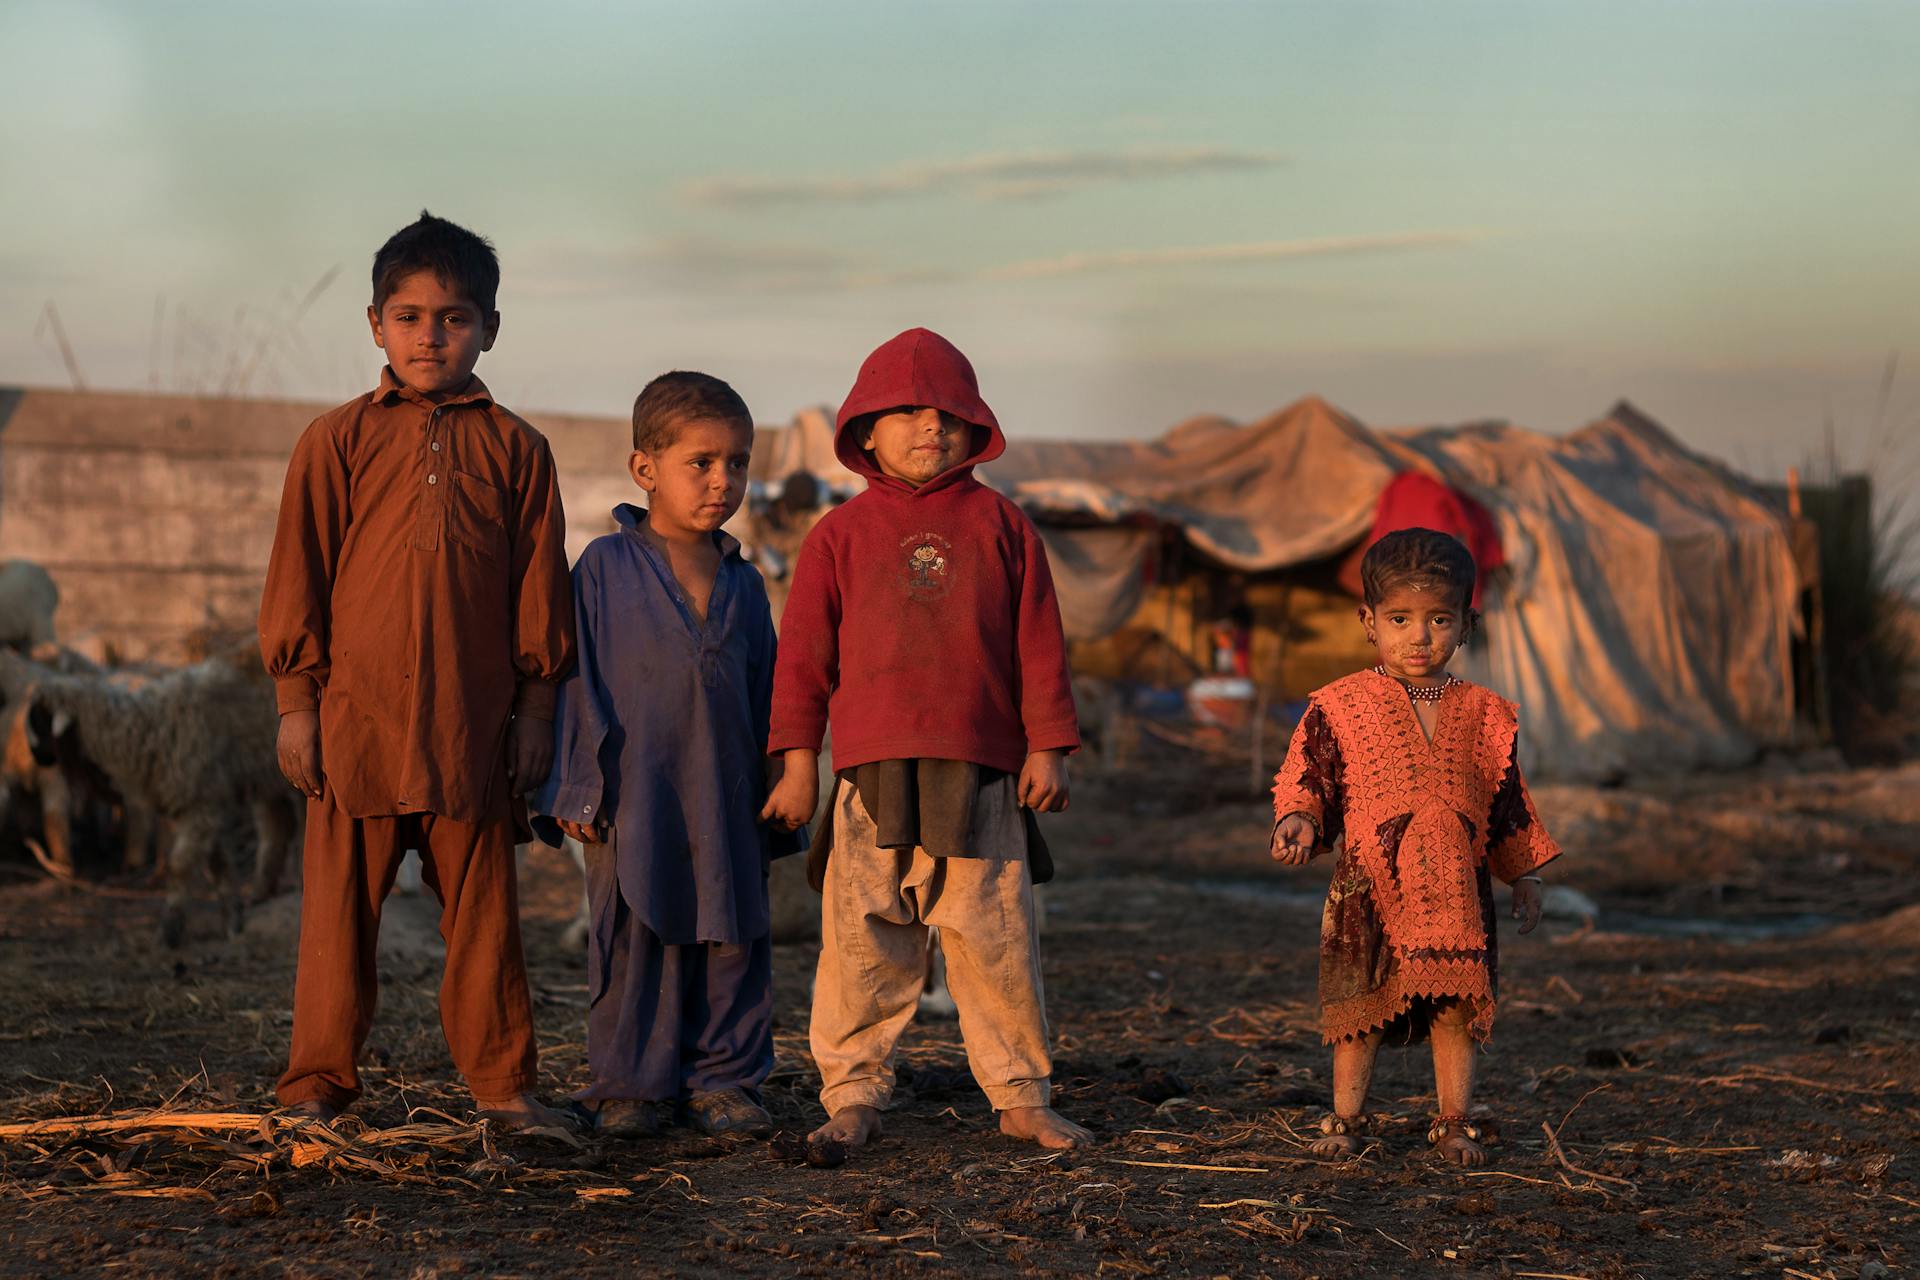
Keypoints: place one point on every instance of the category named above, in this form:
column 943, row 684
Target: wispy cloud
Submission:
column 693, row 264
column 1071, row 264
column 1025, row 176
column 688, row 263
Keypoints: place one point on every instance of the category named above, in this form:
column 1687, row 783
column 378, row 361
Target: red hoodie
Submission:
column 923, row 622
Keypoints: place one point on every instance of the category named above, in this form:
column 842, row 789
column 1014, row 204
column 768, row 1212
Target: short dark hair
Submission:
column 463, row 260
column 1419, row 558
column 679, row 397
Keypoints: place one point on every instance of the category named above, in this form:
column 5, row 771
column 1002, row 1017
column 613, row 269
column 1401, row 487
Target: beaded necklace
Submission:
column 1421, row 692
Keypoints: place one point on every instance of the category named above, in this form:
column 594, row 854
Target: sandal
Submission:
column 727, row 1111
column 630, row 1118
column 1344, row 1137
column 1457, row 1139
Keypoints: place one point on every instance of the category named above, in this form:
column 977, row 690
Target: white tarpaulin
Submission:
column 1099, row 573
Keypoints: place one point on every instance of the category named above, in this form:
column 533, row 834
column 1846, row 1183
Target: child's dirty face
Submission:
column 1417, row 628
column 917, row 444
column 433, row 334
column 696, row 483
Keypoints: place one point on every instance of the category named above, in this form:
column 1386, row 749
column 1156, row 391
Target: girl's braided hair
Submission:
column 1418, row 558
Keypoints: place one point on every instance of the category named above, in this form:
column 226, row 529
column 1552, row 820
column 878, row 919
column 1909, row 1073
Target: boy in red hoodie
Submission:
column 922, row 624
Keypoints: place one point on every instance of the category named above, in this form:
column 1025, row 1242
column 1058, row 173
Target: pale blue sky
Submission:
column 1127, row 213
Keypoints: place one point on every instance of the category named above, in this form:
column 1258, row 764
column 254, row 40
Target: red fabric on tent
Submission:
column 1416, row 500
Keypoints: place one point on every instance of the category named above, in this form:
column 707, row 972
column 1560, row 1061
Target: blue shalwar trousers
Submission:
column 666, row 1022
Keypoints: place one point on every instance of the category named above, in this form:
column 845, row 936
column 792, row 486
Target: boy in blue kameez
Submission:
column 660, row 771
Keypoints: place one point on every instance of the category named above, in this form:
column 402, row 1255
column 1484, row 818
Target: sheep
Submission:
column 27, row 785
column 27, row 601
column 193, row 747
column 68, row 805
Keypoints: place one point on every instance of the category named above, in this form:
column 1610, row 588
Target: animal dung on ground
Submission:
column 819, row 1153
column 1157, row 1086
column 827, row 1153
column 1612, row 1058
column 261, row 1204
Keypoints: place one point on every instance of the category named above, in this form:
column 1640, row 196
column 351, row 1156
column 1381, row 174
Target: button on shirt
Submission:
column 418, row 596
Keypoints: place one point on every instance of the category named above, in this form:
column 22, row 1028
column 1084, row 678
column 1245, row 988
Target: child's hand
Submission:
column 584, row 832
column 1293, row 840
column 1043, row 782
column 796, row 791
column 1526, row 904
column 529, row 753
column 298, row 748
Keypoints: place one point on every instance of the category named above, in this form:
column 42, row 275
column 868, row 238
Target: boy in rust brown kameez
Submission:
column 416, row 618
column 1419, row 772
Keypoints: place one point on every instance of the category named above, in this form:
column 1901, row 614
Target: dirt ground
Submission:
column 1720, row 1075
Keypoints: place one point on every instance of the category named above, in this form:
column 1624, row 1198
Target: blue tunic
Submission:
column 661, row 732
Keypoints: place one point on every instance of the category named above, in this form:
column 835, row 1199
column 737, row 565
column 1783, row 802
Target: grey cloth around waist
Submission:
column 925, row 803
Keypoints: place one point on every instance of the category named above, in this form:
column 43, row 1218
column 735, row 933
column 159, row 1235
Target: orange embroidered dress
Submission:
column 1409, row 915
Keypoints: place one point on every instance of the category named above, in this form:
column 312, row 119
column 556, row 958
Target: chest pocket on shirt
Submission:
column 477, row 516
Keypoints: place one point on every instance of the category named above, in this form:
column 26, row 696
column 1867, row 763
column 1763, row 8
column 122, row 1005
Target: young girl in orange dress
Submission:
column 1419, row 771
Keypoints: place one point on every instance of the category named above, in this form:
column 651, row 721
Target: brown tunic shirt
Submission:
column 418, row 596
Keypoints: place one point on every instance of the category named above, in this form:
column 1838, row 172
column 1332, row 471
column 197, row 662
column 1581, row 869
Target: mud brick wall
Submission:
column 155, row 513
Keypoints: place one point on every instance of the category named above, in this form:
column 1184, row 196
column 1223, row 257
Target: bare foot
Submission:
column 1335, row 1146
column 313, row 1109
column 1455, row 1140
column 1045, row 1126
column 853, row 1126
column 1341, row 1137
column 527, row 1114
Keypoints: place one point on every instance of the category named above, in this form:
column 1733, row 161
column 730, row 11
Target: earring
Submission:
column 1372, row 639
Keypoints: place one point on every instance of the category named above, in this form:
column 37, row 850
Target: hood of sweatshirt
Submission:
column 917, row 368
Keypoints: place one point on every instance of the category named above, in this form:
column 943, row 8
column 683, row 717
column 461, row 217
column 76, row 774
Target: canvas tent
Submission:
column 1645, row 620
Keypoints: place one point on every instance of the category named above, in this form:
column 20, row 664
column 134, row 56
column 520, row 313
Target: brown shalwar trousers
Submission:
column 348, row 869
column 879, row 904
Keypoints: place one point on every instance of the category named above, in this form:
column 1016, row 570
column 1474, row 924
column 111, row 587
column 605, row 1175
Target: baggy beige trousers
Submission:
column 879, row 904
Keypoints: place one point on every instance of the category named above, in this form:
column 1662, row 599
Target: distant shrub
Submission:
column 1870, row 651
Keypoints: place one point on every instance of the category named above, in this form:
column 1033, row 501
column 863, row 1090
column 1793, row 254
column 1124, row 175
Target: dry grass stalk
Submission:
column 76, row 1126
column 1554, row 1149
column 1198, row 1168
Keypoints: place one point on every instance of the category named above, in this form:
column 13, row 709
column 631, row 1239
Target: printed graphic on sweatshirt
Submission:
column 927, row 577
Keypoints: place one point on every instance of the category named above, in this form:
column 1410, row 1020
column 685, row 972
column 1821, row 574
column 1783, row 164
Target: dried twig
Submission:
column 1502, row 1173
column 1576, row 1106
column 1674, row 1149
column 1558, row 983
column 1198, row 1168
column 1761, row 1075
column 1409, row 1248
column 1554, row 1149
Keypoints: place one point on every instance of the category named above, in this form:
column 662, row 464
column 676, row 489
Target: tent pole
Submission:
column 1172, row 583
column 1257, row 781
